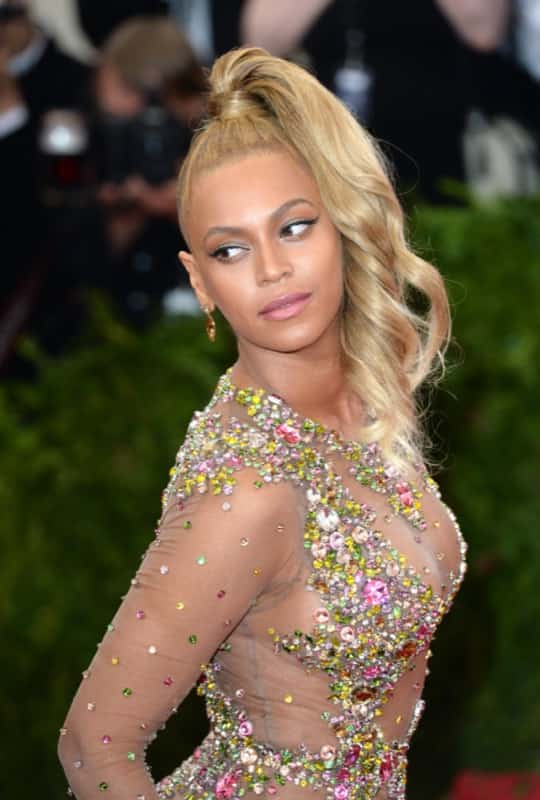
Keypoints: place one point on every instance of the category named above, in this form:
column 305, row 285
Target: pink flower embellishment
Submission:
column 321, row 616
column 226, row 785
column 375, row 592
column 405, row 494
column 288, row 433
column 347, row 634
column 341, row 792
column 371, row 672
column 245, row 728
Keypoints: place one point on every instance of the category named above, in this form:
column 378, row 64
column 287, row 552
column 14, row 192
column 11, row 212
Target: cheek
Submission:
column 232, row 298
column 332, row 265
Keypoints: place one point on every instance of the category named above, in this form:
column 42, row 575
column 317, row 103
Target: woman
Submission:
column 303, row 559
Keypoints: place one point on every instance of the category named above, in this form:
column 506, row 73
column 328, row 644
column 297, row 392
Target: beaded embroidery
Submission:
column 375, row 614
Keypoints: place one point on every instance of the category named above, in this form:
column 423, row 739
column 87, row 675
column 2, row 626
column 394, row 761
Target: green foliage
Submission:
column 485, row 679
column 85, row 453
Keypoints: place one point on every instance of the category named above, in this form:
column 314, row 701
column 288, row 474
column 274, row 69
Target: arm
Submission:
column 273, row 26
column 480, row 23
column 195, row 583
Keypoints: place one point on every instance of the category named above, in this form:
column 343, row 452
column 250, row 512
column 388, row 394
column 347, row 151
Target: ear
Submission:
column 195, row 278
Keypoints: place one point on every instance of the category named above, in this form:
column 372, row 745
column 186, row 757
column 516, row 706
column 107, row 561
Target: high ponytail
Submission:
column 257, row 102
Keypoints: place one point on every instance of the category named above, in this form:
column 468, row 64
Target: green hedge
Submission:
column 485, row 662
column 85, row 453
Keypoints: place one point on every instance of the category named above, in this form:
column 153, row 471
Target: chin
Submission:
column 292, row 341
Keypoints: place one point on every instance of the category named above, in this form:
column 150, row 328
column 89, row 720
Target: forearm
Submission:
column 480, row 23
column 91, row 774
column 188, row 593
column 271, row 25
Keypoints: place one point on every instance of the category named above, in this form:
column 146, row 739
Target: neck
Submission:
column 315, row 384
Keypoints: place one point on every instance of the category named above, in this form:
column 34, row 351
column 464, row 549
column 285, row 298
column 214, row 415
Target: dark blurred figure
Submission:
column 98, row 20
column 211, row 25
column 214, row 26
column 431, row 63
column 148, row 97
column 35, row 76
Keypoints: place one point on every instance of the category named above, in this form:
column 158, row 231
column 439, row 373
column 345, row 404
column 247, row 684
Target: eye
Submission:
column 223, row 253
column 298, row 226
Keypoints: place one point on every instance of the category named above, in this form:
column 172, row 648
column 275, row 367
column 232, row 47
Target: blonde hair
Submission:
column 389, row 346
column 152, row 53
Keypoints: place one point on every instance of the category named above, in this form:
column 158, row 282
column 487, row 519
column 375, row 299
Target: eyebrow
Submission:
column 278, row 211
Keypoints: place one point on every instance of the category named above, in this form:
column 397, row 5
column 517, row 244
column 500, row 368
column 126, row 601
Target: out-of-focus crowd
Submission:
column 89, row 151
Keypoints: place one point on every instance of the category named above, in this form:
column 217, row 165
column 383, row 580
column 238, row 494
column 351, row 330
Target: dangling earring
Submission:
column 210, row 325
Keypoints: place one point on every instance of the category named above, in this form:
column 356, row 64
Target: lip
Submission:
column 286, row 301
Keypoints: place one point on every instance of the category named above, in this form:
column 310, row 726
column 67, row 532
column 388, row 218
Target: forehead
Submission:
column 247, row 189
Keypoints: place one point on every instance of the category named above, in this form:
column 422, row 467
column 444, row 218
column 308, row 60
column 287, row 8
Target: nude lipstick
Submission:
column 286, row 306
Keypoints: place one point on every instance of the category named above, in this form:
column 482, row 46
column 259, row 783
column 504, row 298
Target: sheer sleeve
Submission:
column 214, row 553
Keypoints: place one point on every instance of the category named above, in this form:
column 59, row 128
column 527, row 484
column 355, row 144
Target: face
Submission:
column 258, row 230
column 15, row 32
column 114, row 96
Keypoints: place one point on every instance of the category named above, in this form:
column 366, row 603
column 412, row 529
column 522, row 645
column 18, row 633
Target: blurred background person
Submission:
column 432, row 62
column 430, row 80
column 213, row 27
column 35, row 77
column 148, row 96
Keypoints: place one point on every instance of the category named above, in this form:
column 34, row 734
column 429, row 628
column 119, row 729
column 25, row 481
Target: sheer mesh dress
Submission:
column 297, row 579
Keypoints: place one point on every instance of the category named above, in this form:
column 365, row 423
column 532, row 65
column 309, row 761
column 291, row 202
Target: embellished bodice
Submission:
column 349, row 623
column 297, row 580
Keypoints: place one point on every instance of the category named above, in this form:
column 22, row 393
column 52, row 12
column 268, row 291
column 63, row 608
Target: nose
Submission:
column 271, row 262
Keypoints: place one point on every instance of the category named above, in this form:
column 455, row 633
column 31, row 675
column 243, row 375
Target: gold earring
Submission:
column 210, row 325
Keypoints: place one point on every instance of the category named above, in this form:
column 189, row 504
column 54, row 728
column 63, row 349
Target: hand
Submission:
column 153, row 201
column 156, row 201
column 123, row 227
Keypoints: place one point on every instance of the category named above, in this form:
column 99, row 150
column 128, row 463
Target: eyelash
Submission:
column 225, row 247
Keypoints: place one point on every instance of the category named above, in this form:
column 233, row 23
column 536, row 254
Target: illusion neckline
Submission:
column 370, row 456
column 304, row 424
